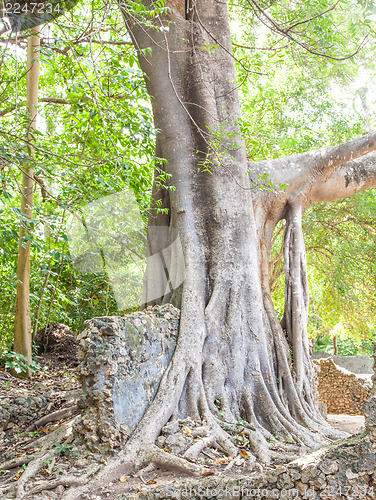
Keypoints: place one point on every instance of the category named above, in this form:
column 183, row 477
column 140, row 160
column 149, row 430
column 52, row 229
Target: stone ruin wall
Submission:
column 122, row 360
column 341, row 390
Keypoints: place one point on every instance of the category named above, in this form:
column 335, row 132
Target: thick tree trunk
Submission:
column 22, row 321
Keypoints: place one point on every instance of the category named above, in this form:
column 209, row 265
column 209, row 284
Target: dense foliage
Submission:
column 296, row 101
column 95, row 138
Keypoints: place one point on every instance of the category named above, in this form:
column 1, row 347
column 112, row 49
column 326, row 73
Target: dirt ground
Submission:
column 352, row 424
column 71, row 459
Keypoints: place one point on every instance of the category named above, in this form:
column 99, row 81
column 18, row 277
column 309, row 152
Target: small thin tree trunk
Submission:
column 335, row 346
column 22, row 321
column 36, row 320
column 314, row 344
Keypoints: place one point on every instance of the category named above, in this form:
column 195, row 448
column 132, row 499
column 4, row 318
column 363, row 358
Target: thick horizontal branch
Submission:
column 51, row 100
column 21, row 41
column 347, row 179
column 301, row 171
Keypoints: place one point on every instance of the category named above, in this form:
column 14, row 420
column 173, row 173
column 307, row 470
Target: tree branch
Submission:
column 55, row 100
column 301, row 171
column 346, row 180
column 51, row 100
column 289, row 33
column 5, row 111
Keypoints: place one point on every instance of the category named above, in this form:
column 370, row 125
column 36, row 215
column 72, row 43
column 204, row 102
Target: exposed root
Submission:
column 200, row 432
column 210, row 435
column 16, row 487
column 197, row 447
column 283, row 456
column 51, row 465
column 32, row 469
column 18, row 462
column 67, row 481
column 163, row 459
column 62, row 432
column 224, row 445
column 221, row 438
column 46, row 442
column 259, row 445
column 52, row 417
column 230, row 464
column 35, row 461
column 146, row 470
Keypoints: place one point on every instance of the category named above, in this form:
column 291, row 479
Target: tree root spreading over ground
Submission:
column 205, row 456
column 218, row 454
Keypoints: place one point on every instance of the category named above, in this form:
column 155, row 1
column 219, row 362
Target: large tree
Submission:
column 233, row 360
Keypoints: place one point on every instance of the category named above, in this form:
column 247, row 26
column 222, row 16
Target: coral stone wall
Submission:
column 122, row 360
column 360, row 363
column 341, row 390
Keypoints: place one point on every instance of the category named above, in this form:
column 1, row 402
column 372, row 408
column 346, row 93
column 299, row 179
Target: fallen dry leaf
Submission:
column 209, row 472
column 151, row 481
column 244, row 454
column 220, row 461
column 18, row 475
column 187, row 431
column 123, row 479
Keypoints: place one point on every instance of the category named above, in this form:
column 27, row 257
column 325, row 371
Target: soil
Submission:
column 54, row 381
column 74, row 459
column 352, row 424
column 58, row 344
column 57, row 382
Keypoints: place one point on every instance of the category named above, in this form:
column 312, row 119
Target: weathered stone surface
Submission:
column 122, row 360
column 17, row 412
column 160, row 441
column 355, row 364
column 336, row 473
column 328, row 467
column 171, row 428
column 284, row 481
